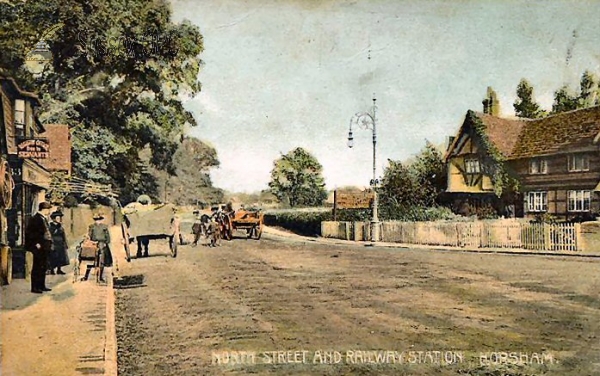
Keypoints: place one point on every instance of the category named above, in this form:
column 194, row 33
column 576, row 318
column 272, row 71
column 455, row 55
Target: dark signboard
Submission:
column 354, row 200
column 36, row 148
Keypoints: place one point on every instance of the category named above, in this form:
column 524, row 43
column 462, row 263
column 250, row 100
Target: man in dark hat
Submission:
column 60, row 254
column 38, row 241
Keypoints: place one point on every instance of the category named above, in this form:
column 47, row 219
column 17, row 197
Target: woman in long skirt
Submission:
column 60, row 255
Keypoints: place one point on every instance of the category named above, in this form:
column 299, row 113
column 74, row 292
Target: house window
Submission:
column 537, row 201
column 538, row 166
column 472, row 166
column 579, row 201
column 579, row 162
column 20, row 117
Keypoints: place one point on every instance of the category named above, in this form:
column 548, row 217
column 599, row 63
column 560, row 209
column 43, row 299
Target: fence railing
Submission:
column 479, row 234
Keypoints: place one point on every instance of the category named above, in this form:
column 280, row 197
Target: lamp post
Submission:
column 368, row 120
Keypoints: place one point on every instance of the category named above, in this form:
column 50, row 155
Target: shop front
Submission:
column 31, row 183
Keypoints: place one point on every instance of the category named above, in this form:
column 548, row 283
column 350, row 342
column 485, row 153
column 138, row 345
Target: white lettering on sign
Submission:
column 34, row 148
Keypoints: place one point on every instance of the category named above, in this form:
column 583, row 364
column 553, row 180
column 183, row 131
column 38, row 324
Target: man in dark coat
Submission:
column 60, row 254
column 38, row 241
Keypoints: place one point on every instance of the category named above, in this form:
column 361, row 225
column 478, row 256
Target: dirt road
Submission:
column 300, row 308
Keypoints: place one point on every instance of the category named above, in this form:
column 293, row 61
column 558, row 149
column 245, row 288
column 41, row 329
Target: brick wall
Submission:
column 59, row 138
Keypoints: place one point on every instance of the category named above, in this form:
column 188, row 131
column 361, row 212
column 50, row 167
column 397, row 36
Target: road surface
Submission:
column 284, row 307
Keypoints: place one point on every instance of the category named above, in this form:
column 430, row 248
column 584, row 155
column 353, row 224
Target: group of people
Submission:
column 210, row 226
column 47, row 241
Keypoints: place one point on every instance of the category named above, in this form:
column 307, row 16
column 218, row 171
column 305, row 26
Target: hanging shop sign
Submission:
column 36, row 148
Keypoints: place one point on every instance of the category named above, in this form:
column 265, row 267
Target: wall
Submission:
column 456, row 179
column 77, row 220
column 590, row 237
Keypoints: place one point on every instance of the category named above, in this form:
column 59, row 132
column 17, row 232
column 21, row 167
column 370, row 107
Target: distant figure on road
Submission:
column 38, row 241
column 60, row 254
column 215, row 233
column 176, row 227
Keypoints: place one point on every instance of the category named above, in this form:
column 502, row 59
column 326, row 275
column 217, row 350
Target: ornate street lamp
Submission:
column 368, row 120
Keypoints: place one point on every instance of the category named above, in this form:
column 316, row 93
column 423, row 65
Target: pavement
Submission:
column 71, row 330
column 67, row 331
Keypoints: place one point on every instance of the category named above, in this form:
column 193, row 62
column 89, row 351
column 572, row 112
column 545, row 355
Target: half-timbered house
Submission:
column 555, row 160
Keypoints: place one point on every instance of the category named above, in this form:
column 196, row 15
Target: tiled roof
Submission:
column 503, row 133
column 555, row 133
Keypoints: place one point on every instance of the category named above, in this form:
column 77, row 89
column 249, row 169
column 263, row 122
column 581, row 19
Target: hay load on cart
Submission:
column 153, row 222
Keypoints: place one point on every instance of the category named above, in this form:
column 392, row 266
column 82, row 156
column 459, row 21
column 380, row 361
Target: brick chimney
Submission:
column 491, row 105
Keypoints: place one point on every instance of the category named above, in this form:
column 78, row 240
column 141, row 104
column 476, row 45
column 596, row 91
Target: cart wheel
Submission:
column 6, row 265
column 173, row 246
column 127, row 252
column 126, row 241
column 228, row 232
column 76, row 267
column 257, row 232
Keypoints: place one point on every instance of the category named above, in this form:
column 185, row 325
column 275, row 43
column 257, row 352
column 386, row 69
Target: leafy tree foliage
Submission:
column 564, row 101
column 589, row 90
column 191, row 183
column 409, row 188
column 589, row 95
column 297, row 178
column 525, row 106
column 117, row 76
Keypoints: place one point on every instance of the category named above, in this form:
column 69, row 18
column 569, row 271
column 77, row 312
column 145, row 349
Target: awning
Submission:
column 34, row 174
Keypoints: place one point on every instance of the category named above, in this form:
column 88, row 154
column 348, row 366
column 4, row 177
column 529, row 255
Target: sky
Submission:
column 281, row 74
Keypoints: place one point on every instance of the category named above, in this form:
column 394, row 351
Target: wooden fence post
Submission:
column 547, row 237
column 578, row 246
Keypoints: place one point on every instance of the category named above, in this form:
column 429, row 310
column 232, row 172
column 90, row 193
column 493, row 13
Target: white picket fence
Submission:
column 478, row 234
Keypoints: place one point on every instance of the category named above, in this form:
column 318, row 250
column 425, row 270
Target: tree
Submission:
column 429, row 170
column 191, row 182
column 117, row 76
column 525, row 106
column 399, row 186
column 297, row 178
column 564, row 101
column 417, row 184
column 588, row 96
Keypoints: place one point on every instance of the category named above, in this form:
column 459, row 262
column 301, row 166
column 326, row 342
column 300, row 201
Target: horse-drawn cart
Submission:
column 148, row 222
column 252, row 221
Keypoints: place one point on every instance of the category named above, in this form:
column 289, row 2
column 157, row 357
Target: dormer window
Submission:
column 578, row 162
column 472, row 166
column 538, row 166
column 20, row 117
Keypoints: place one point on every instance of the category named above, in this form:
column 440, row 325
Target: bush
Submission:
column 303, row 223
column 416, row 213
column 70, row 201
